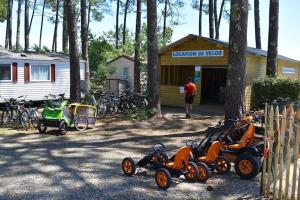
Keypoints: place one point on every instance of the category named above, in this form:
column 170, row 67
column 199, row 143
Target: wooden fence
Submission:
column 281, row 166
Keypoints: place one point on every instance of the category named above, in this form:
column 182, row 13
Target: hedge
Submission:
column 269, row 89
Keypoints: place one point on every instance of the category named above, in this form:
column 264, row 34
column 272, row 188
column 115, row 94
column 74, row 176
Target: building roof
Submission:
column 250, row 50
column 4, row 54
column 122, row 56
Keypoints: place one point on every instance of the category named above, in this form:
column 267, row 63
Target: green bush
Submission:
column 269, row 89
column 140, row 113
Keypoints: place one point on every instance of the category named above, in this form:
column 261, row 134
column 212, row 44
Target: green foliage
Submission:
column 3, row 10
column 100, row 52
column 269, row 89
column 44, row 49
column 140, row 114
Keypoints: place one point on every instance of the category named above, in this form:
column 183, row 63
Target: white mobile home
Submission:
column 34, row 75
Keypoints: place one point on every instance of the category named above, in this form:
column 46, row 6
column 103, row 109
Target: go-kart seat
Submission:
column 212, row 153
column 181, row 158
column 245, row 140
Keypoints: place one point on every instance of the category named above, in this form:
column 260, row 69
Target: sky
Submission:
column 288, row 41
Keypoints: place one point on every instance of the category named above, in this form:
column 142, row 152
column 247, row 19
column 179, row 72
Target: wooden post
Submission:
column 271, row 141
column 263, row 181
column 282, row 138
column 277, row 151
column 298, row 133
column 296, row 155
column 169, row 75
column 288, row 159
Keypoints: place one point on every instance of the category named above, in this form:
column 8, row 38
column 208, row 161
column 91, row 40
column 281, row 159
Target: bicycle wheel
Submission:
column 4, row 118
column 24, row 119
column 34, row 119
column 101, row 109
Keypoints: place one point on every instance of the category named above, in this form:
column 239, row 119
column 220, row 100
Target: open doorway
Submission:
column 213, row 85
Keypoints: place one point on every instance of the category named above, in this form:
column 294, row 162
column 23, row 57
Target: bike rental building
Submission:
column 206, row 61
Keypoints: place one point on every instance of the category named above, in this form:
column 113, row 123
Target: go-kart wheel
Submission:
column 81, row 123
column 247, row 166
column 128, row 166
column 191, row 172
column 161, row 158
column 63, row 128
column 41, row 127
column 203, row 172
column 223, row 165
column 163, row 178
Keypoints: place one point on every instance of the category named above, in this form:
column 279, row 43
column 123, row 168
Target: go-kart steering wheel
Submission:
column 192, row 144
column 229, row 140
column 159, row 147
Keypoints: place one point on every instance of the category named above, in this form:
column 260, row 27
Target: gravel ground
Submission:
column 87, row 165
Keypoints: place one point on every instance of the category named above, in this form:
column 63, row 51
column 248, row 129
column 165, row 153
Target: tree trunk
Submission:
column 153, row 78
column 42, row 23
column 124, row 24
column 200, row 16
column 165, row 19
column 8, row 37
column 26, row 25
column 89, row 16
column 117, row 24
column 137, row 47
column 18, row 25
column 220, row 18
column 211, row 18
column 74, row 52
column 54, row 43
column 257, row 24
column 236, row 75
column 65, row 36
column 273, row 38
column 84, row 40
column 216, row 18
column 32, row 15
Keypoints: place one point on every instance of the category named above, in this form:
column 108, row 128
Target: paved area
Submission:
column 87, row 165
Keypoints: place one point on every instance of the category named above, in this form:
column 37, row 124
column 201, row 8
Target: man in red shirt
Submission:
column 190, row 91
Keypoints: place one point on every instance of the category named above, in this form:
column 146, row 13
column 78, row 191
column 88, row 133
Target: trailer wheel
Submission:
column 163, row 178
column 41, row 127
column 63, row 128
column 247, row 166
column 81, row 123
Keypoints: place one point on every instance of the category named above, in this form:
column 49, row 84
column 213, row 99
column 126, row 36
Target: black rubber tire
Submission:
column 34, row 119
column 222, row 165
column 203, row 171
column 41, row 128
column 253, row 161
column 194, row 167
column 168, row 178
column 63, row 128
column 24, row 120
column 132, row 164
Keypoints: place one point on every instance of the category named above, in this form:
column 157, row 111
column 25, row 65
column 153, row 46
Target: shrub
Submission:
column 269, row 89
column 140, row 113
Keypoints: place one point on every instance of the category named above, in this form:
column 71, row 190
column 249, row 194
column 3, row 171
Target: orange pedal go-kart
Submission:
column 165, row 168
column 212, row 158
column 244, row 155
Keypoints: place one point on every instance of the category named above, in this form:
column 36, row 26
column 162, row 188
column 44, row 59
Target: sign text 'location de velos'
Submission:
column 198, row 53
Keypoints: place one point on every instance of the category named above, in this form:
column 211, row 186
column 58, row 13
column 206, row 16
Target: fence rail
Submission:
column 281, row 165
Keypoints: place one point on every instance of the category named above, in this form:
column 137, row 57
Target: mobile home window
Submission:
column 5, row 72
column 40, row 73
